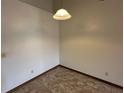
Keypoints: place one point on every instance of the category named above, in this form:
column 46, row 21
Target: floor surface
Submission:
column 62, row 80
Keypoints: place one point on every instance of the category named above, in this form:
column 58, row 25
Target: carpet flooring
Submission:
column 62, row 80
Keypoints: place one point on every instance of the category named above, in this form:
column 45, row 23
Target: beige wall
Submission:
column 30, row 40
column 46, row 5
column 91, row 41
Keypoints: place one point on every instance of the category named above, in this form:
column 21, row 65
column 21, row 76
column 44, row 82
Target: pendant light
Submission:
column 62, row 14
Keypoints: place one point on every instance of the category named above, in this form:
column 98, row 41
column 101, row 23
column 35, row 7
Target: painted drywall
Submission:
column 29, row 40
column 91, row 42
column 57, row 4
column 46, row 5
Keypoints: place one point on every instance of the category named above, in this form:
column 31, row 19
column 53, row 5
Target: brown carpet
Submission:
column 62, row 80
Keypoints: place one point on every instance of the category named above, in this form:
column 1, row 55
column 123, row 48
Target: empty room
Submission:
column 61, row 46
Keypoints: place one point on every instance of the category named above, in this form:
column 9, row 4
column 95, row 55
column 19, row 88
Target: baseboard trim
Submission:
column 10, row 91
column 93, row 77
column 69, row 69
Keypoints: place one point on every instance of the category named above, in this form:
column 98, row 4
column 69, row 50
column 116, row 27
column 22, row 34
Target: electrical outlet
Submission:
column 106, row 73
column 3, row 55
column 32, row 71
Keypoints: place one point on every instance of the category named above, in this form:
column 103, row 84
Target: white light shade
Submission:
column 62, row 14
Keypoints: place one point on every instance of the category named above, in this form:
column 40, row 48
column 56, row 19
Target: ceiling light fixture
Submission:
column 61, row 14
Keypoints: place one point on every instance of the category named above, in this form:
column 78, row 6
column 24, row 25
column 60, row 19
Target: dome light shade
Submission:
column 61, row 14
